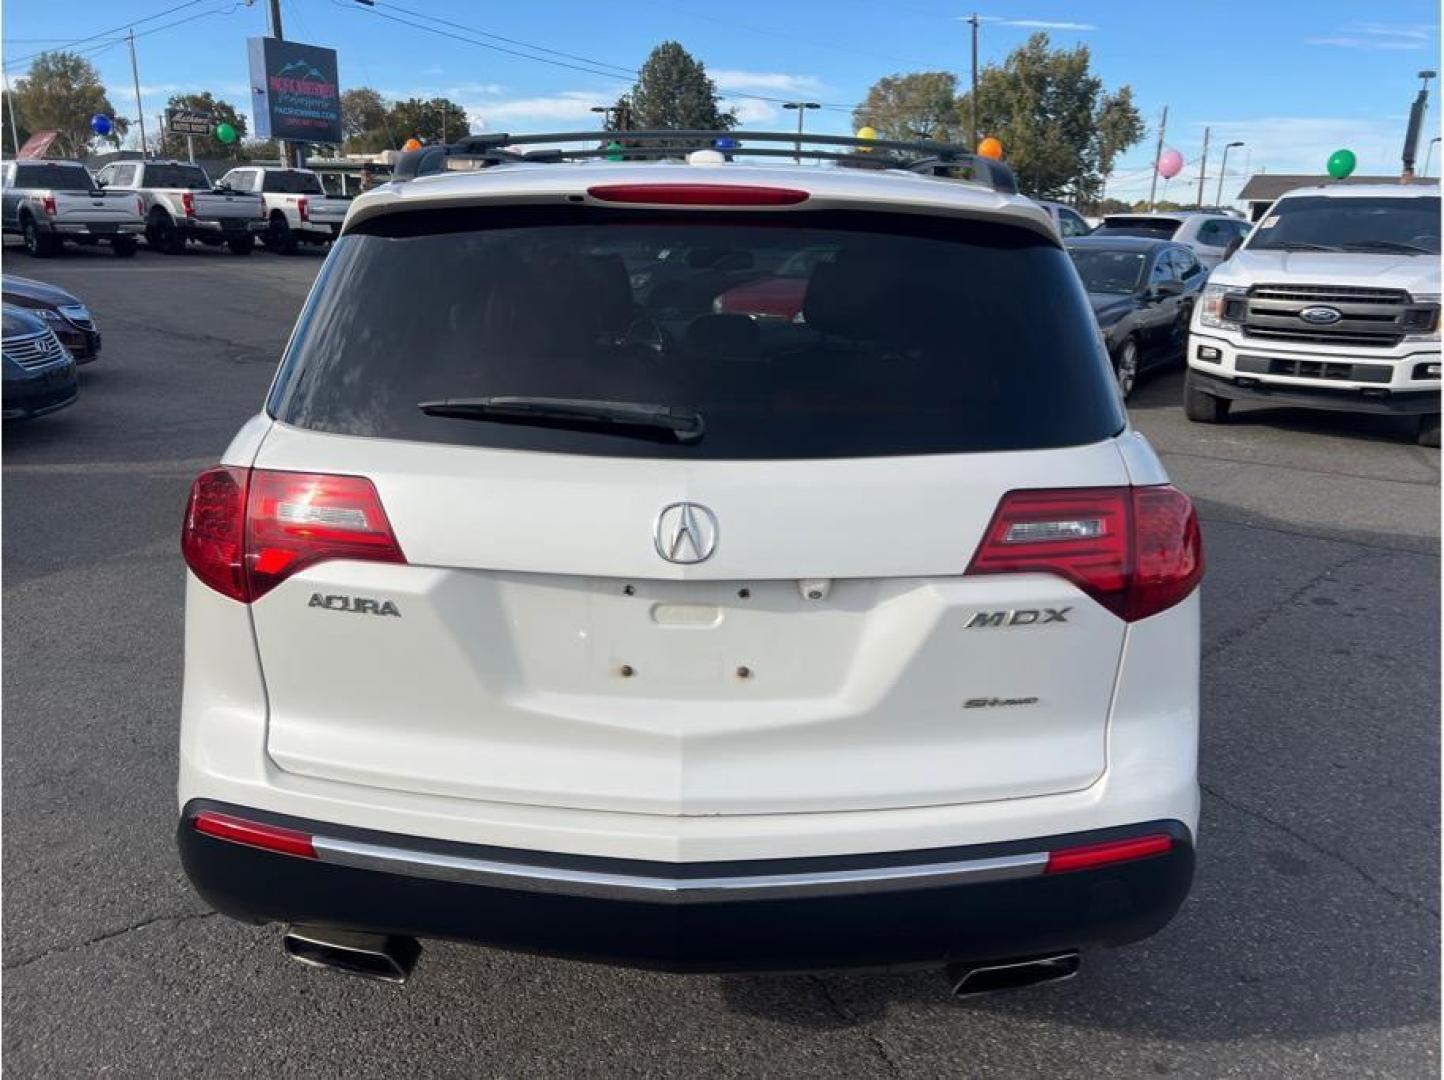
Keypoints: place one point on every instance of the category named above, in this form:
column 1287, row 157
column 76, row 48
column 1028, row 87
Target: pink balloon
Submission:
column 1170, row 164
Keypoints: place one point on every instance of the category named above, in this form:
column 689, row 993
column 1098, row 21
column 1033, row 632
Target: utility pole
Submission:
column 801, row 107
column 1416, row 122
column 276, row 32
column 10, row 103
column 1202, row 168
column 1157, row 153
column 139, row 111
column 973, row 97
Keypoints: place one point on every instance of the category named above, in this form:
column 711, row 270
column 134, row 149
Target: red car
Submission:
column 779, row 297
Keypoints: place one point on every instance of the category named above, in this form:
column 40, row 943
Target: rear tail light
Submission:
column 254, row 834
column 188, row 204
column 1090, row 856
column 49, row 203
column 303, row 207
column 1137, row 551
column 697, row 194
column 245, row 532
column 139, row 207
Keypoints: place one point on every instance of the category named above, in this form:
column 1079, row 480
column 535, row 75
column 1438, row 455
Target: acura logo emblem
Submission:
column 1321, row 316
column 685, row 533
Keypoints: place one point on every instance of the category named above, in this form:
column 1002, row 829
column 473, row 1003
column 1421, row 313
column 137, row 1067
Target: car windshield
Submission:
column 1155, row 228
column 292, row 183
column 1341, row 223
column 919, row 335
column 1108, row 271
column 54, row 177
column 192, row 177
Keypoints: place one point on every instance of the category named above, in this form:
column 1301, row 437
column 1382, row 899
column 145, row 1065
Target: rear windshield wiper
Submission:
column 617, row 417
column 1390, row 245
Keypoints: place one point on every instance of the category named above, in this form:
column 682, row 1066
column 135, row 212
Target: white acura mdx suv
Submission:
column 546, row 607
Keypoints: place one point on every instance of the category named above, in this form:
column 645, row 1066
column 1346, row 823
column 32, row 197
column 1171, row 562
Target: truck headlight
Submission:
column 1431, row 331
column 1213, row 305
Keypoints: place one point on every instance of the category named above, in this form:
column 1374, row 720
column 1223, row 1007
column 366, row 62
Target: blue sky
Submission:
column 1293, row 80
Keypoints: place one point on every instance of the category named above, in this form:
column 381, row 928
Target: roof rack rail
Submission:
column 924, row 156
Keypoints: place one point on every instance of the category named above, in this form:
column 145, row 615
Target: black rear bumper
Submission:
column 905, row 926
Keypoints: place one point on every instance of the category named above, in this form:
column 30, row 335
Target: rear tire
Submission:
column 161, row 234
column 1429, row 430
column 38, row 245
column 279, row 237
column 1202, row 407
column 241, row 245
column 124, row 247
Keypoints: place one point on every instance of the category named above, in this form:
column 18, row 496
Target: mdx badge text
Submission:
column 1020, row 617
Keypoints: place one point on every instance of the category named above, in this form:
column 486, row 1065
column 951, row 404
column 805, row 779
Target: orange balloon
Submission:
column 411, row 144
column 991, row 148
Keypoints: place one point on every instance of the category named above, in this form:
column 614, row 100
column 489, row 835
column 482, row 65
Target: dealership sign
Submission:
column 294, row 91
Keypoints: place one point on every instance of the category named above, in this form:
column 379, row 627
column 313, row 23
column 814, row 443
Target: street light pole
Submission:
column 10, row 104
column 1416, row 123
column 1428, row 155
column 1202, row 167
column 801, row 107
column 1223, row 168
column 973, row 97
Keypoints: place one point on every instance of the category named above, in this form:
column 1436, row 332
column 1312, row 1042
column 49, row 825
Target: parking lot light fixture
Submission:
column 801, row 107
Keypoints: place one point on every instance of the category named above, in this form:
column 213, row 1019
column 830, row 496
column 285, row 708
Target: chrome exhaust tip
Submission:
column 388, row 957
column 970, row 979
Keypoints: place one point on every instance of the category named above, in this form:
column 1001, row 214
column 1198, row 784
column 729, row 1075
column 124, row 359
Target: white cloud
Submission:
column 751, row 110
column 1377, row 36
column 1032, row 24
column 525, row 112
column 756, row 81
column 1373, row 44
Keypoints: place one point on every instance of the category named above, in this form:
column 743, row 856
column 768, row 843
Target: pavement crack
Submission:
column 1264, row 618
column 842, row 1012
column 1315, row 846
column 106, row 936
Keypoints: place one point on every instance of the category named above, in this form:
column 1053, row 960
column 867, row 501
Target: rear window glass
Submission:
column 1155, row 228
column 1105, row 271
column 57, row 177
column 291, row 183
column 177, row 176
column 793, row 335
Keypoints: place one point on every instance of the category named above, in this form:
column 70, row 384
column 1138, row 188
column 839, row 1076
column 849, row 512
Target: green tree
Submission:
column 259, row 150
column 437, row 118
column 62, row 91
column 207, row 146
column 1060, row 132
column 365, row 122
column 923, row 105
column 674, row 91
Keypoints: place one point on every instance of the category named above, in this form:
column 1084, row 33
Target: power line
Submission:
column 107, row 33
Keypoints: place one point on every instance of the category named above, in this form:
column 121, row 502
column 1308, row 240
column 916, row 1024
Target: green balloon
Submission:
column 614, row 151
column 1341, row 163
column 225, row 133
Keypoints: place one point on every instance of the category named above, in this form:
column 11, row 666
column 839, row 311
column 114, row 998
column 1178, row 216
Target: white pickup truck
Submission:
column 182, row 204
column 1331, row 303
column 49, row 202
column 298, row 210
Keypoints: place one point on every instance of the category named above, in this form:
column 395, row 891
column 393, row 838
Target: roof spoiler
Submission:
column 923, row 156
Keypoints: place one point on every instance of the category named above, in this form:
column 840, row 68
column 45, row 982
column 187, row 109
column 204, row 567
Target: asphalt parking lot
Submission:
column 1309, row 945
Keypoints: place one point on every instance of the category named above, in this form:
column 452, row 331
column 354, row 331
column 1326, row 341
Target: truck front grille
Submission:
column 1368, row 318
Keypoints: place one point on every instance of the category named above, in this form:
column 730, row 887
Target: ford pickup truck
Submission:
column 1331, row 303
column 49, row 202
column 297, row 208
column 182, row 204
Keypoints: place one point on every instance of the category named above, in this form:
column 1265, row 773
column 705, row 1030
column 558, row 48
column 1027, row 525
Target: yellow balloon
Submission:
column 991, row 148
column 866, row 133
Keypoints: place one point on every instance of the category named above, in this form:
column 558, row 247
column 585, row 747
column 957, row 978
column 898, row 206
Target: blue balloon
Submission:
column 100, row 124
column 725, row 143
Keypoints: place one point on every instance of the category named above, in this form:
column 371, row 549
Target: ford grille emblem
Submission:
column 685, row 533
column 1321, row 316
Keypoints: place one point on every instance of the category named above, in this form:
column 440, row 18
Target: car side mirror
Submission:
column 1233, row 245
column 1171, row 287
